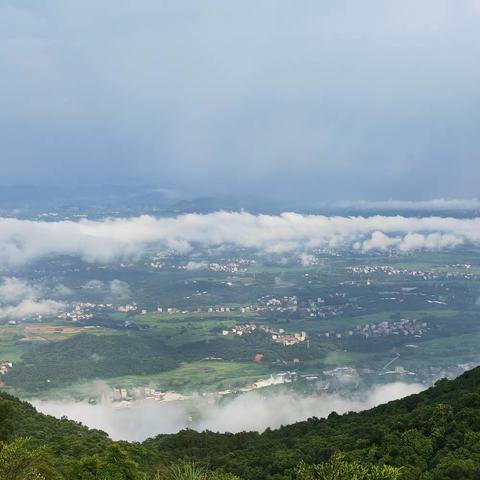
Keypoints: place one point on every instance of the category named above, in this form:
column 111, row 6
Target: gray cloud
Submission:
column 321, row 100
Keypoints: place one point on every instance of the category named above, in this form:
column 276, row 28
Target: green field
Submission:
column 201, row 376
column 443, row 351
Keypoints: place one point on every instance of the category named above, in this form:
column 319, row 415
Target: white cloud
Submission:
column 62, row 291
column 112, row 239
column 251, row 411
column 28, row 307
column 196, row 266
column 15, row 289
column 22, row 299
column 306, row 260
column 94, row 285
column 117, row 288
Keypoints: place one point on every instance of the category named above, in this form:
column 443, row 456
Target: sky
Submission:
column 322, row 100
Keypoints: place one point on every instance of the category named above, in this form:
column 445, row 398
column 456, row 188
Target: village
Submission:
column 80, row 311
column 163, row 261
column 126, row 395
column 425, row 275
column 404, row 327
column 277, row 335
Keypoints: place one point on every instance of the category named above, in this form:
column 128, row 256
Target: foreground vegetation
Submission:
column 434, row 435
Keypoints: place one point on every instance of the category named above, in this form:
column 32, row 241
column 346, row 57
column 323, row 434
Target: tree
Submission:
column 115, row 464
column 17, row 462
column 187, row 471
column 5, row 419
column 337, row 468
column 191, row 471
column 453, row 469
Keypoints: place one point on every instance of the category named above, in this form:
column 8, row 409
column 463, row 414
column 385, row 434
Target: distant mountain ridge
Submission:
column 98, row 201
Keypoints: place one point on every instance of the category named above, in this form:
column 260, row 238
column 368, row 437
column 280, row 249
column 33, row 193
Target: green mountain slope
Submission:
column 434, row 435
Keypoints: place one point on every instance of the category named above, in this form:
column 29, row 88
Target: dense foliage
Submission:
column 338, row 469
column 434, row 435
column 89, row 356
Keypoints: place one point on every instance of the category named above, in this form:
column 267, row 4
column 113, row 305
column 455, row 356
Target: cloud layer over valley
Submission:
column 107, row 240
column 251, row 411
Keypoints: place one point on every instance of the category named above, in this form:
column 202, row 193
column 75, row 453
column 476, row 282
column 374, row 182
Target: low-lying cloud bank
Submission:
column 22, row 299
column 438, row 204
column 251, row 411
column 106, row 240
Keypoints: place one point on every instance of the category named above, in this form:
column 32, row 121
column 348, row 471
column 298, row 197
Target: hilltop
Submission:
column 432, row 435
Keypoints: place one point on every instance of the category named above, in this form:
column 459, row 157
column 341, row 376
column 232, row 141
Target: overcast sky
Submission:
column 320, row 99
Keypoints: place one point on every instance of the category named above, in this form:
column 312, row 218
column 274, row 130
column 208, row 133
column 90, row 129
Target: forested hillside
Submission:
column 434, row 435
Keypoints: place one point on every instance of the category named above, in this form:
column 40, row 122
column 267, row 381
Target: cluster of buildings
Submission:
column 86, row 310
column 240, row 330
column 172, row 310
column 227, row 309
column 352, row 374
column 5, row 366
column 129, row 394
column 318, row 308
column 313, row 308
column 129, row 307
column 83, row 311
column 425, row 275
column 145, row 393
column 236, row 265
column 287, row 339
column 231, row 267
column 160, row 260
column 282, row 304
column 268, row 304
column 403, row 326
column 278, row 336
column 341, row 372
column 278, row 379
column 216, row 309
column 219, row 309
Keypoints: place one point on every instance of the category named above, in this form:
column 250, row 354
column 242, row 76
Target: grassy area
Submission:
column 205, row 375
column 154, row 318
column 11, row 352
column 341, row 358
column 181, row 329
column 15, row 340
column 451, row 350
